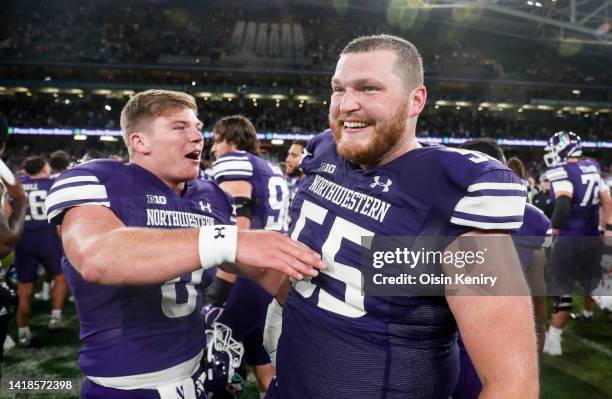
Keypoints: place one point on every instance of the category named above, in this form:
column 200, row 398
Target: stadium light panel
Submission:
column 204, row 94
column 107, row 107
column 80, row 137
column 303, row 98
column 102, row 92
column 48, row 90
column 277, row 142
column 576, row 92
column 543, row 107
column 463, row 103
column 229, row 96
column 108, row 138
column 253, row 96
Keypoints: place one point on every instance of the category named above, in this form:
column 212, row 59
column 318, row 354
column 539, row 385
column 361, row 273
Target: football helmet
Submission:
column 223, row 358
column 561, row 146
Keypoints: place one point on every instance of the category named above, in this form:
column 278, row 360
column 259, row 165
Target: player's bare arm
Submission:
column 497, row 345
column 11, row 227
column 100, row 246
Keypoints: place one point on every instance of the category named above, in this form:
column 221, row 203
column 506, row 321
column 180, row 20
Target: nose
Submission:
column 349, row 102
column 197, row 135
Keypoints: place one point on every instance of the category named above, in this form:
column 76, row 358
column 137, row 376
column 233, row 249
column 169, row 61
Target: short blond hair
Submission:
column 150, row 104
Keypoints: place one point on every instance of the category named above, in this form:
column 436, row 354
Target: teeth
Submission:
column 355, row 124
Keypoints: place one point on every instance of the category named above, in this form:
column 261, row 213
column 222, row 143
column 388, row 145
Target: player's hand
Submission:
column 15, row 191
column 272, row 250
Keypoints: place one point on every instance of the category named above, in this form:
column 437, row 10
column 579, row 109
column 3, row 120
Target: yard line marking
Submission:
column 591, row 344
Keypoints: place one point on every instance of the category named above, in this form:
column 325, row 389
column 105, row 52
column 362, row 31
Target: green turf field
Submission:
column 584, row 370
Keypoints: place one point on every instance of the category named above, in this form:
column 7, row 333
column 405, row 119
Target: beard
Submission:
column 386, row 135
column 295, row 172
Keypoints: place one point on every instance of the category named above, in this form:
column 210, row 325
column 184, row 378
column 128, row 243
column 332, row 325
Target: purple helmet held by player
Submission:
column 561, row 146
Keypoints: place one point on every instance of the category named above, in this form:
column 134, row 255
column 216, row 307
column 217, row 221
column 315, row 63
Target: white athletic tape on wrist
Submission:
column 6, row 174
column 217, row 244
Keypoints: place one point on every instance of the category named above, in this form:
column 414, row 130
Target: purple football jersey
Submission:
column 335, row 341
column 36, row 191
column 532, row 234
column 40, row 243
column 583, row 180
column 270, row 192
column 130, row 330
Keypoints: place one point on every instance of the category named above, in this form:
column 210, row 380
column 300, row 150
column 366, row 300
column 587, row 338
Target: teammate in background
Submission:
column 59, row 161
column 529, row 240
column 261, row 199
column 12, row 219
column 40, row 244
column 369, row 177
column 137, row 240
column 578, row 192
column 295, row 175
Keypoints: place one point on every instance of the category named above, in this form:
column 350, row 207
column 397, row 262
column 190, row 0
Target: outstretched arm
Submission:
column 105, row 251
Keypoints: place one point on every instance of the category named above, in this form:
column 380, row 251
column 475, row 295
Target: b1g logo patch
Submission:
column 156, row 199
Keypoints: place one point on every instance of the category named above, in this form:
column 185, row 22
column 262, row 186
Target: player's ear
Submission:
column 417, row 98
column 139, row 141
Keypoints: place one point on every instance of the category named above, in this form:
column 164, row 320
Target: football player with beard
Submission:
column 369, row 177
column 138, row 238
column 294, row 156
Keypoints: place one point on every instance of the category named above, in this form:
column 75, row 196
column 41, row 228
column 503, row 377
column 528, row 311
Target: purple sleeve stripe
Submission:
column 497, row 193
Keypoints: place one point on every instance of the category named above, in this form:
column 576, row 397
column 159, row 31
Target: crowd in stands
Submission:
column 292, row 116
column 200, row 34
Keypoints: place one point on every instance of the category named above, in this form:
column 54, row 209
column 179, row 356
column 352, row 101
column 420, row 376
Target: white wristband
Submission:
column 6, row 174
column 217, row 244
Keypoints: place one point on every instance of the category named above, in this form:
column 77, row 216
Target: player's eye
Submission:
column 337, row 89
column 369, row 88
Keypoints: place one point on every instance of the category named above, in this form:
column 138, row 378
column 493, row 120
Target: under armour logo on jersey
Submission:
column 205, row 208
column 377, row 183
column 220, row 232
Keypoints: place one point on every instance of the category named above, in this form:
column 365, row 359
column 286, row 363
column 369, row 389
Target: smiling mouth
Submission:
column 355, row 125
